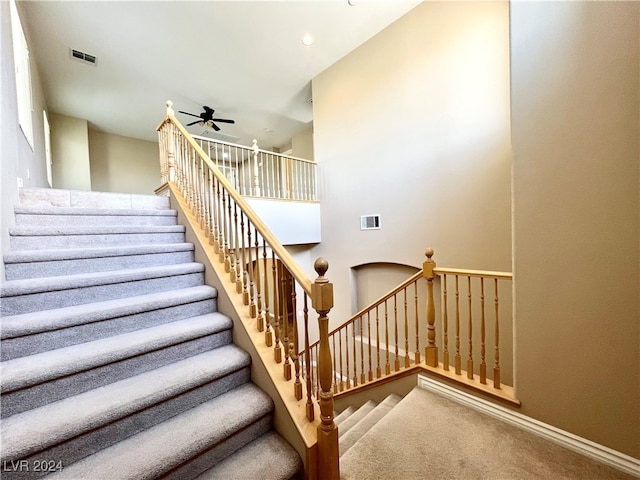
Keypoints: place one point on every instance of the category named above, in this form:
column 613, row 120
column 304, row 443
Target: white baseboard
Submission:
column 568, row 440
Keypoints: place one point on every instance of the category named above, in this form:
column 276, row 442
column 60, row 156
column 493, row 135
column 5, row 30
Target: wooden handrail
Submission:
column 280, row 251
column 260, row 150
column 267, row 281
column 473, row 273
column 398, row 323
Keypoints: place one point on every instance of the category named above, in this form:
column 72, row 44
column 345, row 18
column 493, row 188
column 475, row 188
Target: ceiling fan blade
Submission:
column 223, row 120
column 187, row 113
column 215, row 127
column 193, row 123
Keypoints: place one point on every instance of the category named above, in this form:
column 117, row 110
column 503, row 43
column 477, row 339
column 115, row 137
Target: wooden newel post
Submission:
column 171, row 151
column 322, row 302
column 431, row 350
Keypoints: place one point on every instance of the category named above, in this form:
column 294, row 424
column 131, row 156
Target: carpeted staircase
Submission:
column 115, row 361
column 426, row 435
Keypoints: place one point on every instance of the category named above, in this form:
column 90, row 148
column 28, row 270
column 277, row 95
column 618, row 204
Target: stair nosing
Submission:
column 29, row 286
column 24, row 372
column 58, row 254
column 191, row 433
column 59, row 421
column 73, row 230
column 24, row 324
column 92, row 211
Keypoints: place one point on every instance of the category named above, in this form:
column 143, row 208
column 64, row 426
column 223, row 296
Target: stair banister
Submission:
column 431, row 313
column 279, row 250
column 209, row 195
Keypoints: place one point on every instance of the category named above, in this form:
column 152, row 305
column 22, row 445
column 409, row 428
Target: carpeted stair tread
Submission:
column 66, row 317
column 63, row 282
column 269, row 457
column 88, row 211
column 29, row 432
column 358, row 415
column 342, row 416
column 30, row 295
column 50, row 231
column 58, row 254
column 171, row 444
column 356, row 432
column 26, row 371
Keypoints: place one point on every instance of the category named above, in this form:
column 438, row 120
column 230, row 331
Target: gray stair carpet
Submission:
column 115, row 362
column 429, row 436
column 353, row 434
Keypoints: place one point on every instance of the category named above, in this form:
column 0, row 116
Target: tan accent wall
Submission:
column 70, row 152
column 575, row 108
column 113, row 155
column 414, row 126
column 302, row 144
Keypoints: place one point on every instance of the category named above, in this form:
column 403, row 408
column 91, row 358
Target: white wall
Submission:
column 123, row 164
column 293, row 223
column 576, row 183
column 17, row 159
column 414, row 126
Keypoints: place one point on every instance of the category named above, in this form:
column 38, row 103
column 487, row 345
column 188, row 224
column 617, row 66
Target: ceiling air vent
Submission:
column 370, row 222
column 83, row 57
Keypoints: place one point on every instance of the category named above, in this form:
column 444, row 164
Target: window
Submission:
column 23, row 75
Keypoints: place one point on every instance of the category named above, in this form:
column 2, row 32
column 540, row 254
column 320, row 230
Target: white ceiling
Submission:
column 245, row 59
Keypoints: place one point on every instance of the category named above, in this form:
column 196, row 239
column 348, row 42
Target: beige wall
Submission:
column 70, row 152
column 414, row 126
column 302, row 144
column 123, row 164
column 575, row 107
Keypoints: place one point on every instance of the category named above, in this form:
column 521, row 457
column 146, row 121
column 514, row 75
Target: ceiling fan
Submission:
column 206, row 118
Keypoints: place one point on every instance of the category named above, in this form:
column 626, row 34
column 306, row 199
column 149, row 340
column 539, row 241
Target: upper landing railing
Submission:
column 260, row 173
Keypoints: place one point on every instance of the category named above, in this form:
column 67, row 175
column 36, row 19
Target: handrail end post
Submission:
column 327, row 431
column 431, row 350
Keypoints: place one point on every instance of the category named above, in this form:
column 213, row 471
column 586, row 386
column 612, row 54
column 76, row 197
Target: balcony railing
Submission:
column 260, row 173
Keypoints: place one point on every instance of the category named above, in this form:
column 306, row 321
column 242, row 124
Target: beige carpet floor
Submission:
column 428, row 436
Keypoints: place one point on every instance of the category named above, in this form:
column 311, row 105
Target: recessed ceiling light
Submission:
column 307, row 40
column 268, row 130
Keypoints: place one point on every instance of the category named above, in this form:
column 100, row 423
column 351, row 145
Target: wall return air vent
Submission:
column 370, row 222
column 83, row 57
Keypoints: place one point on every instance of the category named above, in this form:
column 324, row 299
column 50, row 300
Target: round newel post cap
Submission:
column 321, row 266
column 169, row 105
column 429, row 253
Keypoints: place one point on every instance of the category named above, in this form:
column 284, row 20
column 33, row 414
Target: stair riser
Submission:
column 114, row 431
column 45, row 242
column 21, row 271
column 64, row 337
column 41, row 394
column 220, row 451
column 48, row 197
column 15, row 305
column 93, row 220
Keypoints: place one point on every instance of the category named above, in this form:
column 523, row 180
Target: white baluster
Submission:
column 256, row 180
